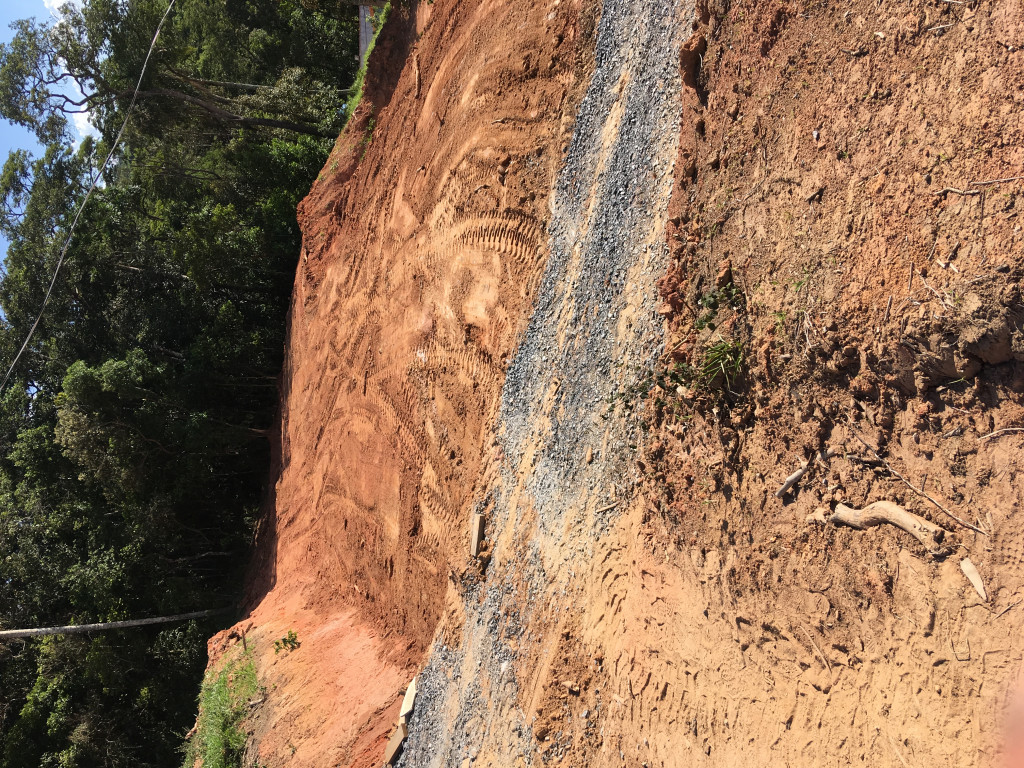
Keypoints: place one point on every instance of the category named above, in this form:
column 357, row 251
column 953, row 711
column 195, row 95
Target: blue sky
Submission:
column 14, row 137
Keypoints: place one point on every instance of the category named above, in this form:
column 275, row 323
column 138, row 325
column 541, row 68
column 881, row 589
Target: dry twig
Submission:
column 995, row 181
column 999, row 432
column 816, row 648
column 1009, row 608
column 955, row 191
column 913, row 487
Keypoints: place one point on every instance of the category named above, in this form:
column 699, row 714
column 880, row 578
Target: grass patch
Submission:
column 219, row 739
column 379, row 19
column 722, row 363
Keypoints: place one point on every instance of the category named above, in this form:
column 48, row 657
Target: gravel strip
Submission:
column 594, row 331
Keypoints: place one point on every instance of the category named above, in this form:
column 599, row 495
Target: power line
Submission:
column 92, row 188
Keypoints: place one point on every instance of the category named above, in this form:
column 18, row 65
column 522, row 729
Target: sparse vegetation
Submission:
column 289, row 642
column 349, row 109
column 225, row 698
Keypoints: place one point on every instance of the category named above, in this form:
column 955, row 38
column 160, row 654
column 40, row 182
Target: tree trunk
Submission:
column 77, row 629
column 231, row 117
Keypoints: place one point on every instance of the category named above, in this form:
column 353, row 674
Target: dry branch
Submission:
column 913, row 487
column 929, row 534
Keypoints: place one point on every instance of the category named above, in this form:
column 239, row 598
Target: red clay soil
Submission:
column 424, row 239
column 844, row 280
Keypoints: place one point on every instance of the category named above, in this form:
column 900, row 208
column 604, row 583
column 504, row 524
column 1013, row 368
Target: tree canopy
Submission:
column 133, row 450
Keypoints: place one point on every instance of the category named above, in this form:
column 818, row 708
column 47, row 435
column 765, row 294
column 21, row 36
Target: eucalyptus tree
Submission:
column 133, row 431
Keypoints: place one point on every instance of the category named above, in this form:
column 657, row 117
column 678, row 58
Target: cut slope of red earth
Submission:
column 838, row 283
column 424, row 239
column 836, row 221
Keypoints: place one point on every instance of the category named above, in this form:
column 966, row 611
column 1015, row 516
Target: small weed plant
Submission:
column 728, row 295
column 722, row 365
column 289, row 642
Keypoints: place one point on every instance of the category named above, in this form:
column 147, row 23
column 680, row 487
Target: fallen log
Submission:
column 930, row 535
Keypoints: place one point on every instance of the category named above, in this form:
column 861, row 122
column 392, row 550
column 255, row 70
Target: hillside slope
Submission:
column 423, row 245
column 608, row 274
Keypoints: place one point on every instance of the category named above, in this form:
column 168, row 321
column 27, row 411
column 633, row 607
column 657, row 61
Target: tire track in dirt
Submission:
column 423, row 247
column 592, row 333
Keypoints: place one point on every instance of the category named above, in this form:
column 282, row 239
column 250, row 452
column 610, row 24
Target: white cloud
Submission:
column 83, row 126
column 55, row 5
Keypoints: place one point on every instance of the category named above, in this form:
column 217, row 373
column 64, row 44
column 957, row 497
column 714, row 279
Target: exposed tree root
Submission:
column 929, row 534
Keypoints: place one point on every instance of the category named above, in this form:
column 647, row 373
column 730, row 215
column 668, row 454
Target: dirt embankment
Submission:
column 821, row 160
column 423, row 248
column 771, row 241
column 836, row 220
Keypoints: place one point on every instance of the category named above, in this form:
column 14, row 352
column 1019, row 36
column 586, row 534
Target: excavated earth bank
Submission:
column 608, row 273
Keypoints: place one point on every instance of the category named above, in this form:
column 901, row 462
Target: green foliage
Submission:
column 289, row 642
column 223, row 64
column 133, row 433
column 219, row 739
column 728, row 295
column 356, row 92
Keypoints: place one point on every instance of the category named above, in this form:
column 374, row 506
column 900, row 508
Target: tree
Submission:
column 88, row 62
column 133, row 451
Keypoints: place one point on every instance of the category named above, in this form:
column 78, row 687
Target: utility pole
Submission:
column 365, row 32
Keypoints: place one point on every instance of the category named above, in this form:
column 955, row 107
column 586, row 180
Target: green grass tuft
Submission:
column 722, row 363
column 357, row 86
column 219, row 740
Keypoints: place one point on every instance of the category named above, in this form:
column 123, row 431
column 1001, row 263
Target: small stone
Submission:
column 724, row 277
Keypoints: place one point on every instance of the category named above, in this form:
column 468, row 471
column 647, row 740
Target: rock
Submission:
column 724, row 276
